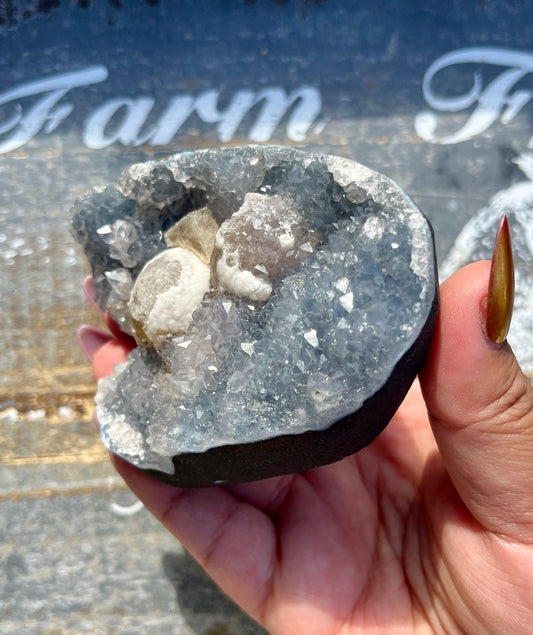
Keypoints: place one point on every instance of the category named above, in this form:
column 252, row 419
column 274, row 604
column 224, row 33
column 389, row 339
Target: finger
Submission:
column 111, row 353
column 116, row 330
column 88, row 289
column 481, row 409
column 234, row 541
column 91, row 340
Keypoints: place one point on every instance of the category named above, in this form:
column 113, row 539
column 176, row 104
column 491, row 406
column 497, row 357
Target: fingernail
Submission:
column 91, row 340
column 500, row 297
column 88, row 289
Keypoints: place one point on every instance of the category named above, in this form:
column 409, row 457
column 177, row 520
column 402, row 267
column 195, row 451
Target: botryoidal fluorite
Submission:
column 282, row 301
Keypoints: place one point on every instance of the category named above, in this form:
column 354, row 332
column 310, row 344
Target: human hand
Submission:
column 430, row 528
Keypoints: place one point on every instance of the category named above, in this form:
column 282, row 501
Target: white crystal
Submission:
column 311, row 337
column 374, row 228
column 248, row 347
column 122, row 240
column 121, row 282
column 346, row 301
column 286, row 241
column 342, row 284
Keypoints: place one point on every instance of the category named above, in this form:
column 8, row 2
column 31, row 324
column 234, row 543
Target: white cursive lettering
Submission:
column 493, row 101
column 133, row 115
column 124, row 119
column 43, row 114
column 303, row 106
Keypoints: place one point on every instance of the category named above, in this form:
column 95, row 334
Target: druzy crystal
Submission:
column 282, row 302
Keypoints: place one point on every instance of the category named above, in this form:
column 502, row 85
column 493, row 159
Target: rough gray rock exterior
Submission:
column 253, row 389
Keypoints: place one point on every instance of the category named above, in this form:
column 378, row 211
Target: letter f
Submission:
column 27, row 125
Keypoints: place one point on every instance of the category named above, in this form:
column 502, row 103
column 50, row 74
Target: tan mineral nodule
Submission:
column 252, row 249
column 259, row 244
column 166, row 293
column 196, row 232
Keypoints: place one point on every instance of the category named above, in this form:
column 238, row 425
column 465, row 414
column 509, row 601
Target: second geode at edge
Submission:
column 283, row 302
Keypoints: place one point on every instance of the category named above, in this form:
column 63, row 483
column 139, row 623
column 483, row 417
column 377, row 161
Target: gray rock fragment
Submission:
column 258, row 384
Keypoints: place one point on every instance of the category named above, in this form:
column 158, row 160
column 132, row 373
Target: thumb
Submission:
column 480, row 406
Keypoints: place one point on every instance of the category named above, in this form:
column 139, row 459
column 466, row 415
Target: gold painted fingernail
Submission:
column 501, row 286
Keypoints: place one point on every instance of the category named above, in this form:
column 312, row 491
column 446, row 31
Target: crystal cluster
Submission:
column 282, row 302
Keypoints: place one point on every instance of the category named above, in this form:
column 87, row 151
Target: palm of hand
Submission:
column 339, row 535
column 364, row 544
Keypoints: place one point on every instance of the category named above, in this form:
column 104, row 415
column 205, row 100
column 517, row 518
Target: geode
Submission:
column 282, row 302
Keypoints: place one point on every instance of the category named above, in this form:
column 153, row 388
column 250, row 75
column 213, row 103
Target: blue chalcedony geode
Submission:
column 283, row 302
